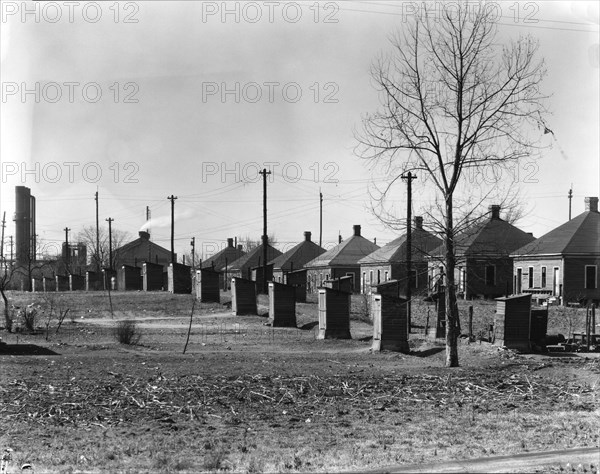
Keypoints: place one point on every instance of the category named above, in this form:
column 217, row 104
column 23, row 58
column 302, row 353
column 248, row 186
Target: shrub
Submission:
column 127, row 332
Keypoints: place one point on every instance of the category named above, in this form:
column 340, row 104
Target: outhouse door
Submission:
column 322, row 310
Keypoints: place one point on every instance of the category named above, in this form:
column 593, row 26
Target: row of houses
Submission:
column 494, row 258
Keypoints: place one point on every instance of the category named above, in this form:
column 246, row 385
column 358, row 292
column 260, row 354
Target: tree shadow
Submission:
column 25, row 349
column 428, row 352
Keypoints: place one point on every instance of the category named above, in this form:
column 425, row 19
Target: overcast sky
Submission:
column 153, row 99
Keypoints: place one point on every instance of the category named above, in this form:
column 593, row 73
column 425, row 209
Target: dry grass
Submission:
column 250, row 398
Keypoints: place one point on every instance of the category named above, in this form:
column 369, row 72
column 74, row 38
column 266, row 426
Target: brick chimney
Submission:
column 494, row 211
column 356, row 230
column 418, row 222
column 230, row 242
column 591, row 204
column 144, row 235
column 307, row 235
column 240, row 246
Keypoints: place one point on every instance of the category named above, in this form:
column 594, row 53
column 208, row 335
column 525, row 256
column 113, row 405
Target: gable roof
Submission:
column 579, row 236
column 349, row 252
column 229, row 254
column 252, row 258
column 297, row 256
column 492, row 238
column 423, row 243
column 143, row 240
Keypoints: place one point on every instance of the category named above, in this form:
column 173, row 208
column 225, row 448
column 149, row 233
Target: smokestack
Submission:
column 307, row 236
column 230, row 242
column 418, row 222
column 356, row 230
column 591, row 204
column 144, row 234
column 495, row 211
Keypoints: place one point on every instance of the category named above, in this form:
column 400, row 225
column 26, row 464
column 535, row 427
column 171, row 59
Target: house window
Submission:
column 543, row 284
column 530, row 277
column 321, row 278
column 590, row 277
column 364, row 283
column 371, row 276
column 386, row 276
column 490, row 275
column 519, row 284
column 378, row 277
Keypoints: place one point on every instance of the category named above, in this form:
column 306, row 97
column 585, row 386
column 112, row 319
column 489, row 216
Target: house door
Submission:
column 519, row 282
column 555, row 285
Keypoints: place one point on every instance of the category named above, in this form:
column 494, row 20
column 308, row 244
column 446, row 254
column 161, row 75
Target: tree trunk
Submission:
column 7, row 318
column 452, row 317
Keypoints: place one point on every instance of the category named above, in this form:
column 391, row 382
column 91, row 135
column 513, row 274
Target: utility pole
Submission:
column 172, row 199
column 265, row 238
column 570, row 196
column 408, row 177
column 193, row 244
column 11, row 249
column 67, row 253
column 320, row 218
column 97, row 239
column 2, row 241
column 110, row 257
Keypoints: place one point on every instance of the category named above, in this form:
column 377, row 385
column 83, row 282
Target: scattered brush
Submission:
column 127, row 332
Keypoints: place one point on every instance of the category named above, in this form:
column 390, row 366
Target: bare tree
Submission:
column 453, row 100
column 99, row 257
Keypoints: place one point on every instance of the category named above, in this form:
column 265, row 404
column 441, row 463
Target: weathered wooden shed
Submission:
column 207, row 286
column 538, row 326
column 76, row 282
column 37, row 284
column 345, row 283
column 152, row 276
column 282, row 305
column 512, row 322
column 91, row 281
column 243, row 296
column 295, row 258
column 334, row 314
column 297, row 279
column 62, row 282
column 49, row 284
column 390, row 324
column 107, row 278
column 390, row 288
column 180, row 278
column 129, row 278
column 257, row 276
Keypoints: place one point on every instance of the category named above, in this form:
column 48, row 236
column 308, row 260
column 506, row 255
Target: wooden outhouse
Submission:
column 129, row 278
column 512, row 322
column 91, row 281
column 62, row 282
column 282, row 305
column 390, row 324
column 207, row 286
column 334, row 314
column 297, row 279
column 243, row 296
column 152, row 276
column 76, row 282
column 180, row 278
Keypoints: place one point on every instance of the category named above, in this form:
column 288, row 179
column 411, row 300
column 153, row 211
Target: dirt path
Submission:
column 512, row 463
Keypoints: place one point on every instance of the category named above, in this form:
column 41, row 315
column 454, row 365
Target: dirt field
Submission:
column 250, row 398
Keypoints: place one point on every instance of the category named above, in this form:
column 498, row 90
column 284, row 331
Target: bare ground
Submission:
column 250, row 398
